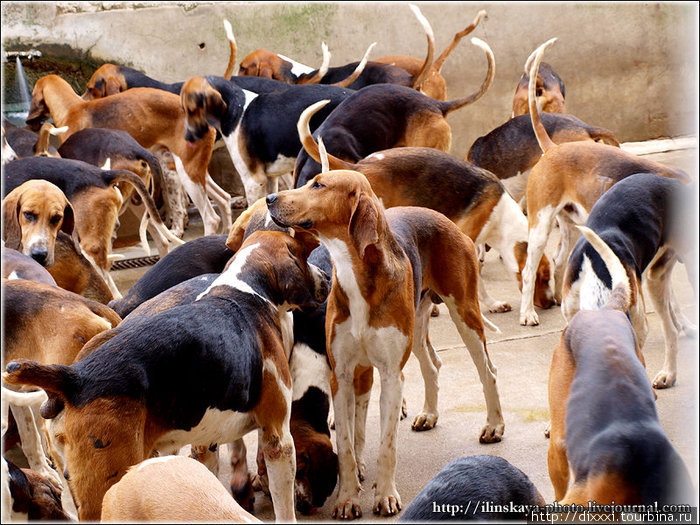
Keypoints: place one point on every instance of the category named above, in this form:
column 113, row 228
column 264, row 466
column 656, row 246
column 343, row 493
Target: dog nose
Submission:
column 39, row 255
column 271, row 199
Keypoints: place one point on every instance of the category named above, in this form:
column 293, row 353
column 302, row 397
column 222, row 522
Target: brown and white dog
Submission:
column 645, row 220
column 563, row 186
column 33, row 214
column 605, row 431
column 469, row 196
column 170, row 489
column 161, row 123
column 386, row 266
column 29, row 496
column 434, row 84
column 550, row 92
column 202, row 373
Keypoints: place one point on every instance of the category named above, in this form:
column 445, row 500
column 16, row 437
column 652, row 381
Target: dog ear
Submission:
column 12, row 232
column 265, row 71
column 59, row 380
column 308, row 240
column 112, row 87
column 68, row 225
column 364, row 223
column 214, row 103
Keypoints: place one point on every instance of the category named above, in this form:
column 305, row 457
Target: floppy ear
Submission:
column 112, row 87
column 214, row 103
column 265, row 71
column 364, row 222
column 57, row 380
column 309, row 240
column 68, row 225
column 237, row 234
column 12, row 232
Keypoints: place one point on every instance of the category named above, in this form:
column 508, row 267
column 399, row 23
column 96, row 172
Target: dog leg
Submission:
column 493, row 431
column 222, row 200
column 682, row 323
column 429, row 415
column 659, row 285
column 387, row 501
column 363, row 390
column 241, row 486
column 198, row 195
column 561, row 374
column 567, row 235
column 489, row 302
column 207, row 456
column 537, row 241
column 31, row 443
column 347, row 505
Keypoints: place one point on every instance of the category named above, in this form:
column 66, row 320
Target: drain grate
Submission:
column 137, row 262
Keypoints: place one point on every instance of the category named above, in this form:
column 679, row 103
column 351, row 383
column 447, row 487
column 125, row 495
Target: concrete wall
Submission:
column 629, row 67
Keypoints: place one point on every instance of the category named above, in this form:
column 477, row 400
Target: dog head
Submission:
column 550, row 92
column 33, row 214
column 102, row 437
column 260, row 63
column 106, row 80
column 203, row 105
column 544, row 297
column 317, row 467
column 294, row 283
column 38, row 110
column 338, row 204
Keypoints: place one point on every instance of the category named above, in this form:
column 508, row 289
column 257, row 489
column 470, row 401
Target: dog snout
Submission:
column 323, row 284
column 40, row 254
column 271, row 199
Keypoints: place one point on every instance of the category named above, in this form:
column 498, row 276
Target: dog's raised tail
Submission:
column 233, row 50
column 450, row 105
column 428, row 62
column 621, row 292
column 358, row 70
column 543, row 138
column 308, row 142
column 440, row 61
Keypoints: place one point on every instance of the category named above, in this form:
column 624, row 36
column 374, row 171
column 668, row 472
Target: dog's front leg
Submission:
column 387, row 501
column 347, row 506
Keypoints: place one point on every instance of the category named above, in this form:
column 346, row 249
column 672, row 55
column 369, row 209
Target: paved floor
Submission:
column 522, row 356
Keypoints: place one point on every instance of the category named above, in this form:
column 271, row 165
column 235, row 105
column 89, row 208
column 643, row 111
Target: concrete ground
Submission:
column 522, row 356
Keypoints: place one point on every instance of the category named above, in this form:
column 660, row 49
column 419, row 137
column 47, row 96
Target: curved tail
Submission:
column 234, row 50
column 437, row 65
column 620, row 298
column 138, row 184
column 451, row 105
column 428, row 62
column 41, row 148
column 321, row 72
column 543, row 138
column 308, row 142
column 358, row 70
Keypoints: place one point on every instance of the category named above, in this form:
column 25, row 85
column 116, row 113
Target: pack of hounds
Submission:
column 276, row 322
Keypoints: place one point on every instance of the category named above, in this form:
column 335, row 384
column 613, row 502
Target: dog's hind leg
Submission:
column 429, row 367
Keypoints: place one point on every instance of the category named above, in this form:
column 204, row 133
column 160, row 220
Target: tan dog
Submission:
column 33, row 214
column 563, row 186
column 378, row 309
column 171, row 489
column 161, row 123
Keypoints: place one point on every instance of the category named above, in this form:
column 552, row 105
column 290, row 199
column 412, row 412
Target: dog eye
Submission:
column 55, row 219
column 29, row 216
column 316, row 185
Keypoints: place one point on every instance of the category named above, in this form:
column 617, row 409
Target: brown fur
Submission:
column 37, row 208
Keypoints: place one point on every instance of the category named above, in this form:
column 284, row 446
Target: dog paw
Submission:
column 529, row 319
column 387, row 505
column 499, row 307
column 260, row 483
column 548, row 431
column 664, row 379
column 424, row 421
column 491, row 434
column 347, row 509
column 404, row 411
